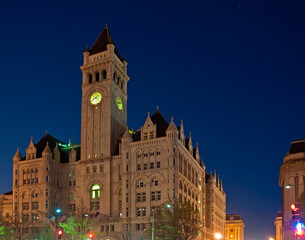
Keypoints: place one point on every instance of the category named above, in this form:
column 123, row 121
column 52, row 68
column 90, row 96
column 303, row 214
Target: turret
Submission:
column 72, row 155
column 86, row 55
column 31, row 150
column 125, row 64
column 17, row 156
column 47, row 153
column 181, row 133
column 56, row 153
column 190, row 146
column 172, row 131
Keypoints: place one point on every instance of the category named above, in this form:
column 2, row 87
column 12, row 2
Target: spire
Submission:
column 102, row 41
column 17, row 156
column 87, row 49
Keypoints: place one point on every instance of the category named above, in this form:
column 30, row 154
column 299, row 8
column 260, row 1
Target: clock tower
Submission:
column 104, row 98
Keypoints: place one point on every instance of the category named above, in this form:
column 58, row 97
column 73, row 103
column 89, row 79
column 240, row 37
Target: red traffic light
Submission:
column 91, row 235
column 59, row 232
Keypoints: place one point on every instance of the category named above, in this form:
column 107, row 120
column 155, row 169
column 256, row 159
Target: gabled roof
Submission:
column 161, row 123
column 100, row 44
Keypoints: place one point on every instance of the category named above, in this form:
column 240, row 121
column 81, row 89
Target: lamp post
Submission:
column 152, row 224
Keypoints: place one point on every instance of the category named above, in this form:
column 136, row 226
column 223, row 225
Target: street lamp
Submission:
column 218, row 236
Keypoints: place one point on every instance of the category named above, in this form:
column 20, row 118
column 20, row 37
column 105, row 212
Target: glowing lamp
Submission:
column 218, row 236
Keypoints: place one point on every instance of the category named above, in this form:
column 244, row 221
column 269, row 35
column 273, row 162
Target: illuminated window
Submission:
column 95, row 191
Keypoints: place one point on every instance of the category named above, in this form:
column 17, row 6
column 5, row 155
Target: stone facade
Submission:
column 278, row 226
column 291, row 180
column 234, row 227
column 116, row 173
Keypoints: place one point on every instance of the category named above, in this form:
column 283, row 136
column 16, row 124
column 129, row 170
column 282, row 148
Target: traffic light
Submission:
column 299, row 230
column 295, row 212
column 58, row 234
column 90, row 236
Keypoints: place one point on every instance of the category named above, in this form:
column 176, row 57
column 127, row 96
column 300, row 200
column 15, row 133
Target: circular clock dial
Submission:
column 119, row 103
column 96, row 98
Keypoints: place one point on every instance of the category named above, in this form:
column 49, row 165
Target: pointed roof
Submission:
column 102, row 41
column 172, row 126
column 161, row 123
column 47, row 149
column 18, row 155
column 126, row 135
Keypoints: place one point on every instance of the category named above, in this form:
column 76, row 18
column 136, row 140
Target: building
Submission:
column 278, row 226
column 291, row 180
column 234, row 227
column 115, row 172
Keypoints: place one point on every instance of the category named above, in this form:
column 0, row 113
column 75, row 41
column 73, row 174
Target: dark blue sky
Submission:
column 233, row 70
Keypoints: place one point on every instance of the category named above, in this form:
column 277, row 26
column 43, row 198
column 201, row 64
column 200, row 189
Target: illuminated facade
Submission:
column 278, row 226
column 234, row 227
column 115, row 172
column 291, row 180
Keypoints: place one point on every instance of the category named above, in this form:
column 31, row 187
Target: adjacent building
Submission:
column 291, row 180
column 234, row 227
column 116, row 172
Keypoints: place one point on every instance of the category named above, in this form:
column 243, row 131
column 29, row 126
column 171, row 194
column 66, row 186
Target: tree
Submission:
column 78, row 225
column 175, row 220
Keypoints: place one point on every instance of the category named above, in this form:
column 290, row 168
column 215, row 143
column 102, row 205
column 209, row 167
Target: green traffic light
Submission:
column 168, row 205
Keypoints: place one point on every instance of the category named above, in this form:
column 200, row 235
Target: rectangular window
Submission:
column 127, row 197
column 143, row 212
column 126, row 167
column 29, row 181
column 143, row 226
column 159, row 195
column 139, row 167
column 127, row 227
column 145, row 166
column 102, row 228
column 112, row 228
column 107, row 228
column 158, row 164
column 138, row 212
column 36, row 180
column 153, row 196
column 152, row 165
column 74, row 183
column 138, row 227
column 47, row 178
column 126, row 212
column 144, row 197
column 138, row 197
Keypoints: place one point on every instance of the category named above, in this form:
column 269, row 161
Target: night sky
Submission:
column 233, row 70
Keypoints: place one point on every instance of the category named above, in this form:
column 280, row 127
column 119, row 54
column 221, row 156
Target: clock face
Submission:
column 119, row 103
column 96, row 98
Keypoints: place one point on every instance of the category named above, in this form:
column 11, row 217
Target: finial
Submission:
column 148, row 113
column 181, row 120
column 46, row 131
column 18, row 149
column 106, row 25
column 157, row 108
column 32, row 138
column 172, row 119
column 47, row 143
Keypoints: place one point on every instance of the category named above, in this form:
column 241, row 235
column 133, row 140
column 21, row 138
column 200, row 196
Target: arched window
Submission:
column 95, row 191
column 24, row 195
column 155, row 182
column 94, row 169
column 72, row 197
column 88, row 170
column 34, row 194
column 185, row 190
column 90, row 78
column 102, row 168
column 104, row 74
column 140, row 184
column 97, row 77
column 114, row 76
